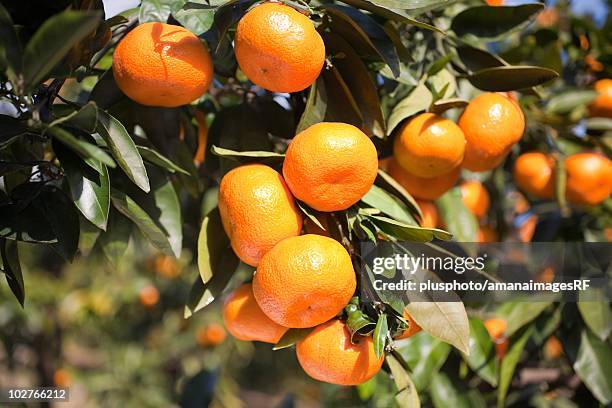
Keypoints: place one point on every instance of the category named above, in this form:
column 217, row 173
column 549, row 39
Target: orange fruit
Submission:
column 475, row 197
column 200, row 154
column 211, row 335
column 257, row 210
column 548, row 17
column 148, row 296
column 430, row 214
column 589, row 178
column 593, row 64
column 159, row 64
column 245, row 320
column 527, row 228
column 166, row 266
column 327, row 354
column 486, row 235
column 602, row 104
column 62, row 378
column 492, row 123
column 304, row 281
column 495, row 2
column 413, row 327
column 278, row 48
column 330, row 166
column 429, row 145
column 421, row 187
column 533, row 173
column 553, row 348
column 497, row 330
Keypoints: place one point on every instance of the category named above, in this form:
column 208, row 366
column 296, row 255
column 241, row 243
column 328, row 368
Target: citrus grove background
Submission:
column 151, row 161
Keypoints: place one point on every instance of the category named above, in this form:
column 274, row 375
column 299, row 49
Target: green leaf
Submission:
column 407, row 396
column 358, row 322
column 52, row 41
column 597, row 124
column 593, row 366
column 155, row 157
column 316, row 106
column 64, row 220
column 476, row 59
column 12, row 268
column 405, row 232
column 486, row 21
column 10, row 46
column 425, row 355
column 27, row 224
column 85, row 149
column 168, row 208
column 482, row 353
column 459, row 220
column 124, row 149
column 596, row 314
column 128, row 207
column 389, row 184
column 508, row 364
column 291, row 337
column 569, row 100
column 442, row 105
column 518, row 314
column 447, row 392
column 447, row 321
column 381, row 333
column 388, row 204
column 417, row 101
column 11, row 129
column 158, row 10
column 241, row 156
column 214, row 247
column 309, row 212
column 85, row 118
column 510, row 78
column 89, row 189
column 196, row 21
column 114, row 241
column 364, row 34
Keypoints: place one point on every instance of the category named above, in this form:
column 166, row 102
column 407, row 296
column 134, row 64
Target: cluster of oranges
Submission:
column 301, row 281
column 429, row 152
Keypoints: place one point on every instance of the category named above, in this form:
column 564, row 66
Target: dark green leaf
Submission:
column 128, row 207
column 309, row 212
column 389, row 13
column 89, row 189
column 28, row 224
column 443, row 105
column 425, row 355
column 158, row 10
column 85, row 149
column 196, row 21
column 417, row 101
column 154, row 157
column 446, row 392
column 114, row 241
column 459, row 220
column 380, row 335
column 476, row 59
column 168, row 209
column 358, row 322
column 593, row 366
column 388, row 204
column 52, row 41
column 85, row 118
column 510, row 78
column 10, row 129
column 123, row 148
column 389, row 184
column 482, row 358
column 486, row 21
column 508, row 365
column 291, row 337
column 316, row 105
column 10, row 46
column 214, row 249
column 64, row 220
column 12, row 268
column 405, row 232
column 597, row 315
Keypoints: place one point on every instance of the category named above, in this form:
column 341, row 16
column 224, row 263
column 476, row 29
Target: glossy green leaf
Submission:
column 158, row 10
column 389, row 13
column 476, row 59
column 214, row 249
column 509, row 363
column 10, row 130
column 155, row 157
column 596, row 314
column 405, row 232
column 593, row 366
column 569, row 100
column 114, row 241
column 447, row 392
column 518, row 314
column 52, row 41
column 425, row 355
column 459, row 220
column 232, row 154
column 10, row 46
column 64, row 220
column 486, row 21
column 380, row 335
column 291, row 337
column 482, row 358
column 168, row 210
column 196, row 21
column 12, row 268
column 388, row 204
column 417, row 101
column 85, row 149
column 511, row 78
column 316, row 105
column 389, row 184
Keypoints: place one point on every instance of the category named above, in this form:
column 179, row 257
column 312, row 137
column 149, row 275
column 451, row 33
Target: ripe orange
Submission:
column 200, row 154
column 62, row 378
column 589, row 178
column 148, row 296
column 166, row 266
column 548, row 17
column 602, row 105
column 486, row 235
column 475, row 197
column 413, row 327
column 327, row 354
column 533, row 173
column 330, row 166
column 492, row 123
column 527, row 228
column 553, row 348
column 244, row 319
column 497, row 330
column 304, row 281
column 430, row 214
column 495, row 2
column 257, row 210
column 211, row 335
column 278, row 48
column 421, row 187
column 429, row 145
column 159, row 64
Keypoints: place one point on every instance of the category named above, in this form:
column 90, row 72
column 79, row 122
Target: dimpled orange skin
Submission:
column 429, row 145
column 589, row 178
column 304, row 281
column 246, row 321
column 257, row 211
column 278, row 48
column 327, row 354
column 601, row 106
column 413, row 327
column 159, row 64
column 492, row 123
column 533, row 173
column 475, row 197
column 421, row 187
column 330, row 166
column 430, row 214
